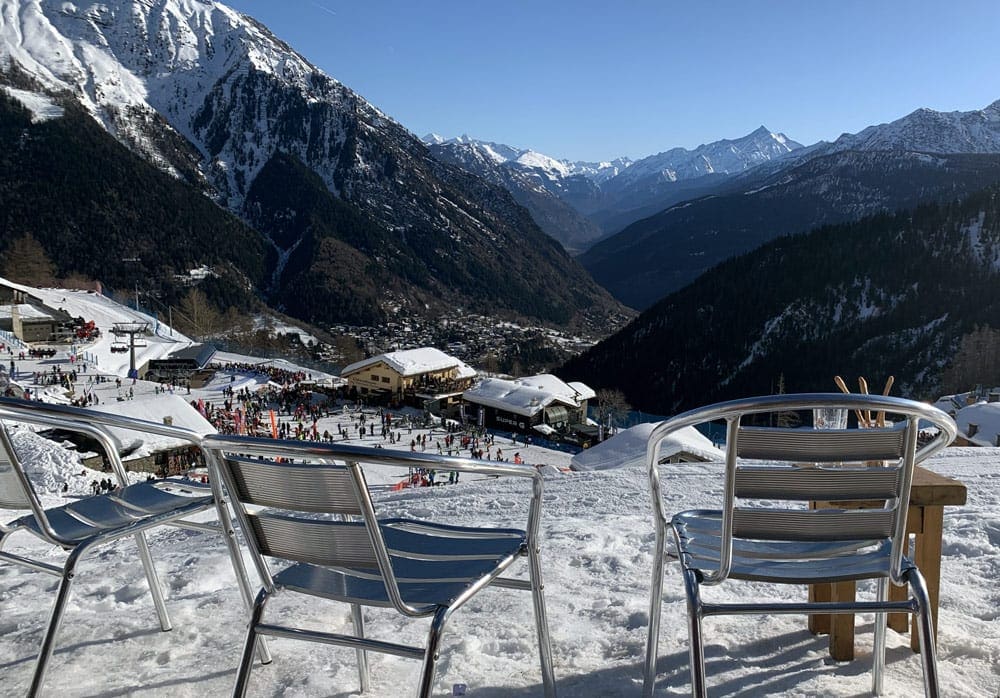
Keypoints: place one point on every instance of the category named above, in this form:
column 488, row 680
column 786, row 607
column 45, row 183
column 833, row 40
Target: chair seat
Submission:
column 433, row 564
column 91, row 516
column 798, row 562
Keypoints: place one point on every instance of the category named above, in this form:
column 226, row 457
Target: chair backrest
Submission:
column 772, row 472
column 16, row 489
column 276, row 502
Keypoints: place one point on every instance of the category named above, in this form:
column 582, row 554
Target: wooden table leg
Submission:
column 842, row 624
column 819, row 623
column 927, row 556
column 900, row 622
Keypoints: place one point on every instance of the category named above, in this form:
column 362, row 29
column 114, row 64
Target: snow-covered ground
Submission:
column 597, row 548
column 597, row 543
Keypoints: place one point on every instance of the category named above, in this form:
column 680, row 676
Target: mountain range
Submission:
column 667, row 218
column 212, row 98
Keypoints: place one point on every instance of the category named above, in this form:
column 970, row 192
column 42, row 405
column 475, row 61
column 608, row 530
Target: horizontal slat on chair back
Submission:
column 830, row 484
column 12, row 494
column 314, row 488
column 320, row 542
column 820, row 445
column 813, row 524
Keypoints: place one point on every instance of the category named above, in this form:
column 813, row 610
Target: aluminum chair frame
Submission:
column 93, row 521
column 309, row 485
column 825, row 554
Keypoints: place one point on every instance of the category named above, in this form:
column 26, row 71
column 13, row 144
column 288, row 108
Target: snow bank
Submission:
column 49, row 466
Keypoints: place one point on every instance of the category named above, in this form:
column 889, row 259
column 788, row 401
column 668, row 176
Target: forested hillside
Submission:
column 891, row 294
column 100, row 211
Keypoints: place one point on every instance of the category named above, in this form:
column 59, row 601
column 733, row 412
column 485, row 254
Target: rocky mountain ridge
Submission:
column 212, row 97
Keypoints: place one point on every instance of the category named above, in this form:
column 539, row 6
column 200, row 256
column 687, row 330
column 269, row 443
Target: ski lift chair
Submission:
column 764, row 532
column 89, row 522
column 316, row 513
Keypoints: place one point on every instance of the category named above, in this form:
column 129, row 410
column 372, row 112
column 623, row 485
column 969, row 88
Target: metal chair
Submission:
column 764, row 532
column 316, row 513
column 90, row 522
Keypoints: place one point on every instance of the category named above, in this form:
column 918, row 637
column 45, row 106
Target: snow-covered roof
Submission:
column 627, row 449
column 414, row 362
column 583, row 391
column 154, row 409
column 515, row 396
column 986, row 417
column 546, row 382
column 25, row 311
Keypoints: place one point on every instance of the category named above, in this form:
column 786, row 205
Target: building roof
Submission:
column 986, row 417
column 25, row 311
column 199, row 353
column 517, row 396
column 627, row 449
column 414, row 362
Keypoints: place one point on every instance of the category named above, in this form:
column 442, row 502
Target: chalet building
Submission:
column 540, row 404
column 425, row 377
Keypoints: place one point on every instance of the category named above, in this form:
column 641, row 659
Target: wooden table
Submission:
column 929, row 495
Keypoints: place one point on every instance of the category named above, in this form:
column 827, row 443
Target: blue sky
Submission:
column 588, row 80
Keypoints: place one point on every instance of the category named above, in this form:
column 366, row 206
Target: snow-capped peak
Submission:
column 727, row 156
column 930, row 131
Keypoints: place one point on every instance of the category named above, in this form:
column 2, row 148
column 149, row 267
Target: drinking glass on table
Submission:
column 830, row 418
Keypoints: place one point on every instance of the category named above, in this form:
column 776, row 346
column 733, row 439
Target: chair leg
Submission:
column 154, row 581
column 358, row 618
column 55, row 619
column 246, row 659
column 431, row 653
column 697, row 645
column 655, row 604
column 239, row 569
column 925, row 627
column 541, row 621
column 878, row 646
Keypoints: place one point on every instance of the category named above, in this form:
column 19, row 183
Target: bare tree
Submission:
column 25, row 261
column 612, row 408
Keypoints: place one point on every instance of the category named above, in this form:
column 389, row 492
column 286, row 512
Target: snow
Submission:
column 516, row 396
column 627, row 449
column 41, row 106
column 986, row 417
column 161, row 409
column 597, row 550
column 412, row 362
column 597, row 546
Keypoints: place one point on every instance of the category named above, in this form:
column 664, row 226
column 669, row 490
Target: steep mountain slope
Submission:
column 553, row 215
column 663, row 253
column 890, row 294
column 102, row 211
column 210, row 95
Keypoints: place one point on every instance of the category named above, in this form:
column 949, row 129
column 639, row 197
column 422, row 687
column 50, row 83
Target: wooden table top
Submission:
column 931, row 489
